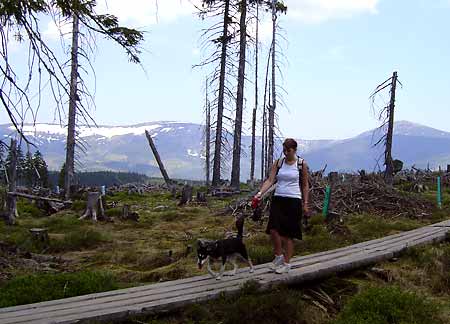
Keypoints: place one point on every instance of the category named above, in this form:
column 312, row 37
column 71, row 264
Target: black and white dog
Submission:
column 228, row 249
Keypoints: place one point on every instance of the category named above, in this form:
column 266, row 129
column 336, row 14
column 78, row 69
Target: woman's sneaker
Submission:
column 284, row 268
column 278, row 261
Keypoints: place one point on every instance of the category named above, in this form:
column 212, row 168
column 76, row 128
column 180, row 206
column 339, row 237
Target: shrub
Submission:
column 381, row 305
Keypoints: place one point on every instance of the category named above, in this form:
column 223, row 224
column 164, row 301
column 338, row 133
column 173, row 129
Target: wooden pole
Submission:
column 158, row 160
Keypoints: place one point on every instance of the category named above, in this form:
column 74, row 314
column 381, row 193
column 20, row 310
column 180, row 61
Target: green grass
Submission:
column 78, row 240
column 381, row 305
column 42, row 287
column 62, row 222
column 27, row 209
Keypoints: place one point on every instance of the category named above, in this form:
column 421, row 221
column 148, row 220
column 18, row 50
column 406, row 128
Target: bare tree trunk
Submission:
column 11, row 200
column 70, row 149
column 223, row 58
column 269, row 107
column 253, row 149
column 263, row 144
column 236, row 164
column 158, row 160
column 207, row 137
column 264, row 132
column 389, row 171
column 273, row 106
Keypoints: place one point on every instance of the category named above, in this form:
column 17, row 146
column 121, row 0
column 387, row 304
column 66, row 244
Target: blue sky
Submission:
column 337, row 52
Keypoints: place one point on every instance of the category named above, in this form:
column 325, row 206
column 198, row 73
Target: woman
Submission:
column 289, row 200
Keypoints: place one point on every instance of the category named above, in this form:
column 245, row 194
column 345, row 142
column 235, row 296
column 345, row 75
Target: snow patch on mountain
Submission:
column 85, row 131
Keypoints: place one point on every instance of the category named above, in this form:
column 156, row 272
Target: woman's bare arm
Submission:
column 269, row 182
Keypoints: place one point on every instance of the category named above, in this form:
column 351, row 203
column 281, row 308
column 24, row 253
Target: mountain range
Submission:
column 181, row 147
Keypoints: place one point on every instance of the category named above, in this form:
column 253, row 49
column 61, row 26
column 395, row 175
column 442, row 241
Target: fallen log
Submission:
column 33, row 197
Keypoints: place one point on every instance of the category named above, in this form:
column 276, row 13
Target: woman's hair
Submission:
column 290, row 143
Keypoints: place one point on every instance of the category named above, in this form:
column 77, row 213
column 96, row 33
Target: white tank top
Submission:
column 288, row 181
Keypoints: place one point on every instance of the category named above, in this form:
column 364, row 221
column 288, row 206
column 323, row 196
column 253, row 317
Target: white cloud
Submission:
column 56, row 29
column 316, row 11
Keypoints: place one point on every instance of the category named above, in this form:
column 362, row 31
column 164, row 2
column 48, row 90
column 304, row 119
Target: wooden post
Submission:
column 389, row 171
column 11, row 201
column 158, row 160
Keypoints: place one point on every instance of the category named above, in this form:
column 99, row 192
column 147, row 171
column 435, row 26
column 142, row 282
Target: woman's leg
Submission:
column 289, row 248
column 276, row 241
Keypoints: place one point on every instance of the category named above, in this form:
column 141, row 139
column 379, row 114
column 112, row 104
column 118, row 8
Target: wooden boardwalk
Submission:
column 120, row 304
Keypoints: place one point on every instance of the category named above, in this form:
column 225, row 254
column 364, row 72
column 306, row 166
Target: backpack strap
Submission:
column 280, row 162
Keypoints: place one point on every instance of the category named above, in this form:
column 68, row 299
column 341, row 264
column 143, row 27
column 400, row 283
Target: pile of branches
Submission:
column 369, row 195
column 352, row 194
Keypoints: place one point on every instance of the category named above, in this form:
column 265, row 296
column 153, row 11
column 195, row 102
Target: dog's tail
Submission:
column 240, row 227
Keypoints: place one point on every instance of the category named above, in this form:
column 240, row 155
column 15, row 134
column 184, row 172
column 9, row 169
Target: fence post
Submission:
column 326, row 202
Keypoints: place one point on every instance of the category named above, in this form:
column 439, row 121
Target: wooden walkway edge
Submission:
column 120, row 304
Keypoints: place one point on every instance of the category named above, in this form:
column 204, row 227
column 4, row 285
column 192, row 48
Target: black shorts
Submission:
column 286, row 217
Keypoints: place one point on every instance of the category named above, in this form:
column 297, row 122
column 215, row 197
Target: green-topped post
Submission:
column 326, row 202
column 439, row 193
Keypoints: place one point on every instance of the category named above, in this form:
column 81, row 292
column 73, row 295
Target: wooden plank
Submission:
column 151, row 295
column 206, row 283
column 322, row 270
column 425, row 234
column 197, row 279
column 442, row 224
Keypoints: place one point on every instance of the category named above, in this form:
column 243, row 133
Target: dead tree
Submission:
column 94, row 206
column 255, row 108
column 207, row 137
column 220, row 104
column 386, row 116
column 11, row 200
column 73, row 96
column 158, row 160
column 236, row 165
column 273, row 105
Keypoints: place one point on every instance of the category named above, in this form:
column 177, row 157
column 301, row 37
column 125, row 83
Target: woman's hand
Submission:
column 306, row 209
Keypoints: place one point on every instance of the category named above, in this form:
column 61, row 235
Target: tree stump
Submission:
column 39, row 235
column 94, row 207
column 127, row 215
column 201, row 197
column 186, row 195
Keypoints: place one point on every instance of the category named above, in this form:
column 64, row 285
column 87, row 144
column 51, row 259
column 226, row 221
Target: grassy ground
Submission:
column 124, row 254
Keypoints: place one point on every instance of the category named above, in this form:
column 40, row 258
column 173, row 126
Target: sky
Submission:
column 336, row 52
